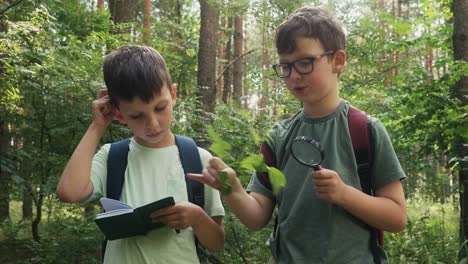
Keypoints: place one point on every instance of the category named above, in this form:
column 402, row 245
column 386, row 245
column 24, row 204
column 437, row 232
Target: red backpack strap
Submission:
column 360, row 132
column 270, row 160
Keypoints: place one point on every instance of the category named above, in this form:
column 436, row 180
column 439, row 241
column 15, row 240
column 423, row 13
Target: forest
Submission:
column 407, row 65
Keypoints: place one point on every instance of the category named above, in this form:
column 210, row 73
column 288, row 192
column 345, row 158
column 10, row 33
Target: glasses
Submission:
column 302, row 66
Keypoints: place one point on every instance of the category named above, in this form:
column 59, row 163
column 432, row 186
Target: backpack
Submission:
column 360, row 129
column 189, row 157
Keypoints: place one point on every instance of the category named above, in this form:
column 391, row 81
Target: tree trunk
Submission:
column 227, row 89
column 221, row 56
column 428, row 63
column 460, row 45
column 206, row 79
column 122, row 11
column 264, row 95
column 37, row 219
column 147, row 21
column 4, row 177
column 238, row 65
column 27, row 205
column 4, row 139
column 100, row 5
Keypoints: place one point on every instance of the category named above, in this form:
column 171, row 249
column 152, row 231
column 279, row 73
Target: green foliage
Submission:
column 253, row 162
column 431, row 235
column 50, row 71
column 419, row 109
column 10, row 229
column 242, row 245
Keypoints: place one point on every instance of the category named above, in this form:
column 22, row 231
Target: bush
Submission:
column 431, row 235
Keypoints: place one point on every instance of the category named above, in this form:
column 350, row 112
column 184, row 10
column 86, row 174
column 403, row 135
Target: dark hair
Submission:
column 310, row 22
column 135, row 71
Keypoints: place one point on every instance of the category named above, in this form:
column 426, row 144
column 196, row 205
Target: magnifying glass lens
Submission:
column 307, row 151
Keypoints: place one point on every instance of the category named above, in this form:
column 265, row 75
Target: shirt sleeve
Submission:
column 386, row 167
column 99, row 174
column 213, row 205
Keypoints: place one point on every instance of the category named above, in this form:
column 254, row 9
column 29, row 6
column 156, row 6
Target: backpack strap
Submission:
column 116, row 164
column 360, row 130
column 191, row 163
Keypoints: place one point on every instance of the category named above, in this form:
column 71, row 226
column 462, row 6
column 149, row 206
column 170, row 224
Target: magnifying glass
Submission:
column 308, row 152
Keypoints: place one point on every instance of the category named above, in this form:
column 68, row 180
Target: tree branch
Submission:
column 17, row 2
column 232, row 62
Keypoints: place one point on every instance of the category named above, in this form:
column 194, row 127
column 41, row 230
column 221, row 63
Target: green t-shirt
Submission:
column 153, row 174
column 311, row 230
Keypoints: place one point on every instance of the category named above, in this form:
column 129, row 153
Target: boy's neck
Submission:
column 167, row 141
column 322, row 107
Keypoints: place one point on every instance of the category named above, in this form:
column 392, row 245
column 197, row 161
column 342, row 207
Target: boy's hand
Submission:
column 180, row 216
column 210, row 174
column 103, row 111
column 328, row 185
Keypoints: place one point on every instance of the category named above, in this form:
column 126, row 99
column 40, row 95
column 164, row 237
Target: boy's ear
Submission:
column 339, row 61
column 118, row 115
column 174, row 93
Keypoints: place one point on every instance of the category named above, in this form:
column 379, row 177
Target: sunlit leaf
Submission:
column 277, row 179
column 254, row 162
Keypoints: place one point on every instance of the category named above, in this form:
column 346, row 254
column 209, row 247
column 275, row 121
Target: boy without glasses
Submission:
column 323, row 216
column 140, row 94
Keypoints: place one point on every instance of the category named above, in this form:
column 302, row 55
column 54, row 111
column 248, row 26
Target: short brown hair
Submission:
column 135, row 71
column 310, row 22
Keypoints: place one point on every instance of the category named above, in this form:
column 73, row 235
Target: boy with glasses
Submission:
column 323, row 216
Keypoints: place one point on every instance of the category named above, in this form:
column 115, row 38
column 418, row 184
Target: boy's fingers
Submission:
column 196, row 176
column 231, row 173
column 102, row 93
column 201, row 178
column 162, row 212
column 217, row 164
column 212, row 171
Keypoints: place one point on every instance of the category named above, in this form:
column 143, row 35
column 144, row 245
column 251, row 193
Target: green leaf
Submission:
column 254, row 162
column 220, row 150
column 225, row 187
column 220, row 147
column 277, row 179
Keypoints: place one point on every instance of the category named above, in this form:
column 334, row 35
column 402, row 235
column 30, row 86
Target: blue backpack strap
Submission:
column 360, row 130
column 116, row 165
column 191, row 163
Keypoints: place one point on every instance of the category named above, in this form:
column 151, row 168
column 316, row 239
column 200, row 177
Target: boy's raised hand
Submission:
column 103, row 111
column 210, row 174
column 328, row 185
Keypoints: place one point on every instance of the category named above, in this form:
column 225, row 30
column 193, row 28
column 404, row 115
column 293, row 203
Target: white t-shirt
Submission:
column 153, row 174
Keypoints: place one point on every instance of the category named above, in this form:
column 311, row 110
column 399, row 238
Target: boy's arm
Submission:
column 385, row 211
column 253, row 210
column 210, row 232
column 75, row 184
